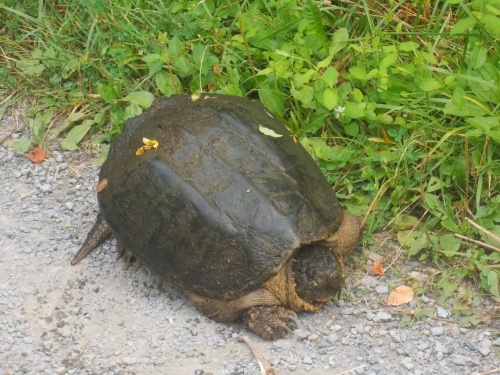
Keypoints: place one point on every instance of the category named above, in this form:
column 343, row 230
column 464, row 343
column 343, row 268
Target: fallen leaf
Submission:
column 399, row 296
column 37, row 155
column 148, row 144
column 269, row 132
column 101, row 185
column 377, row 268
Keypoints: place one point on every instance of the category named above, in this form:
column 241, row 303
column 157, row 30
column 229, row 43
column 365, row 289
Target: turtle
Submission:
column 214, row 194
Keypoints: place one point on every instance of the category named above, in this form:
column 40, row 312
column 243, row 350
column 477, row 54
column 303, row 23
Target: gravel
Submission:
column 98, row 318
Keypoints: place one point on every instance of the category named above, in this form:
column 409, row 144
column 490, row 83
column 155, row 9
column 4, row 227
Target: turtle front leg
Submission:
column 270, row 322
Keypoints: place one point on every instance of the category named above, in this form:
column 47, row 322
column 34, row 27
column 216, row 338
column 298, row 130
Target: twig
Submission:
column 353, row 369
column 482, row 244
column 484, row 230
column 494, row 371
column 260, row 357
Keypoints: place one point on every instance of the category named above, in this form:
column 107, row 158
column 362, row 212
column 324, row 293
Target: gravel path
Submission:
column 98, row 318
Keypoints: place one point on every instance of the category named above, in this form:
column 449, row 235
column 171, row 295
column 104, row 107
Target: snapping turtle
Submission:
column 227, row 206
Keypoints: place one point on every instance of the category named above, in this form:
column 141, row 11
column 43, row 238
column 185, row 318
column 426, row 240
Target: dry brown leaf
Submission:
column 101, row 185
column 377, row 268
column 399, row 296
column 37, row 155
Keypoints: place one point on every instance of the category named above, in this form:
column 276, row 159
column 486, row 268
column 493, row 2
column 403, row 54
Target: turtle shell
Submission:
column 219, row 206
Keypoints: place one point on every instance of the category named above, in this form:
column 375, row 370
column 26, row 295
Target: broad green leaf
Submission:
column 75, row 135
column 167, row 83
column 463, row 25
column 492, row 24
column 408, row 46
column 107, row 93
column 352, row 129
column 21, row 145
column 304, row 95
column 389, row 60
column 339, row 41
column 72, row 118
column 478, row 56
column 493, row 282
column 70, row 67
column 34, row 70
column 269, row 132
column 330, row 98
column 430, row 84
column 142, row 98
column 103, row 155
column 330, row 76
column 132, row 110
column 358, row 73
column 175, row 46
column 354, row 110
column 450, row 243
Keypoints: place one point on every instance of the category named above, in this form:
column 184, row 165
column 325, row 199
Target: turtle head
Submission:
column 317, row 273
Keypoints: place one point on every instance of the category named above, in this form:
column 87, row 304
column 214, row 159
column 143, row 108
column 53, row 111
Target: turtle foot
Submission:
column 127, row 256
column 271, row 322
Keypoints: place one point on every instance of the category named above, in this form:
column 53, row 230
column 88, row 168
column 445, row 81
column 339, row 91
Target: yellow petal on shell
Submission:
column 148, row 143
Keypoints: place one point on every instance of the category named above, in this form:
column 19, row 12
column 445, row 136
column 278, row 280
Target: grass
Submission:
column 397, row 101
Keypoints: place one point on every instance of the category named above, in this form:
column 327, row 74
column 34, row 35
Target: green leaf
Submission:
column 72, row 118
column 75, row 135
column 132, row 110
column 305, row 95
column 167, row 83
column 21, row 145
column 430, row 84
column 175, row 46
column 142, row 98
column 463, row 25
column 352, row 129
column 330, row 98
column 478, row 56
column 107, row 93
column 358, row 73
column 389, row 60
column 408, row 46
column 330, row 76
column 103, row 155
column 339, row 41
column 450, row 243
column 493, row 282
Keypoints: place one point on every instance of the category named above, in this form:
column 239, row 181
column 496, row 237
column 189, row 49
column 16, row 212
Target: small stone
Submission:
column 129, row 360
column 313, row 337
column 437, row 331
column 442, row 312
column 382, row 316
column 307, row 360
column 69, row 205
column 408, row 365
column 382, row 289
column 484, row 347
column 439, row 356
column 425, row 299
column 459, row 360
column 335, row 328
column 302, row 333
column 46, row 188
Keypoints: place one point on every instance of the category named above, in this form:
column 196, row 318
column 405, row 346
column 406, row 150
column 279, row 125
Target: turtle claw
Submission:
column 271, row 322
column 129, row 258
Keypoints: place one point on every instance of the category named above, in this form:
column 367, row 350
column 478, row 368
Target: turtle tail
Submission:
column 99, row 232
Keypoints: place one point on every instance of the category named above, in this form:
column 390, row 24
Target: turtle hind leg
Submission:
column 127, row 256
column 271, row 322
column 99, row 232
